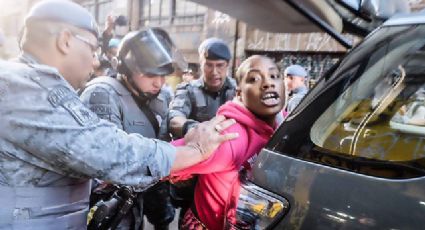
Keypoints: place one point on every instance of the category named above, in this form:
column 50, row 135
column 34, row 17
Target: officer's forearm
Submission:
column 186, row 156
column 176, row 126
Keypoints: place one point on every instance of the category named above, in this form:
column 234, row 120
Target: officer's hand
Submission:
column 206, row 136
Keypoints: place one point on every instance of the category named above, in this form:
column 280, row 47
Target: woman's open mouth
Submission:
column 270, row 99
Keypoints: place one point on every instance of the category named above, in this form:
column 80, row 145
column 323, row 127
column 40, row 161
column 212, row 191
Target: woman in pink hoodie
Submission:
column 260, row 96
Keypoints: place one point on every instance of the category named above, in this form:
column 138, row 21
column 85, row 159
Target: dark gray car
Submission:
column 352, row 154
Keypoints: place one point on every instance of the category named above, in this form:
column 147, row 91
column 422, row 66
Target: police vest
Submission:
column 134, row 120
column 204, row 106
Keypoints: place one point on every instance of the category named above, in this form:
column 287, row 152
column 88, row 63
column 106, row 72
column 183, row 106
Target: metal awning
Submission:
column 277, row 15
column 284, row 16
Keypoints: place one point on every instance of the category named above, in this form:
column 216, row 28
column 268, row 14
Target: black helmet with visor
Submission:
column 149, row 51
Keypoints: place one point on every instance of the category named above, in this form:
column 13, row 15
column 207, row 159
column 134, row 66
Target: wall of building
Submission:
column 12, row 16
column 239, row 36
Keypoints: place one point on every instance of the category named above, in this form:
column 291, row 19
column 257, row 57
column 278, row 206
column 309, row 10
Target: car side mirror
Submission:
column 376, row 9
column 363, row 16
column 383, row 9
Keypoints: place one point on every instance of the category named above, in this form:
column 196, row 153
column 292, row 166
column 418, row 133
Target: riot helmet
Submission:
column 149, row 51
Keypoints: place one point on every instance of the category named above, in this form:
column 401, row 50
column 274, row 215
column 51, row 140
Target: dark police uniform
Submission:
column 111, row 100
column 193, row 101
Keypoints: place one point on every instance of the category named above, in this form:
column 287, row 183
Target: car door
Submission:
column 352, row 154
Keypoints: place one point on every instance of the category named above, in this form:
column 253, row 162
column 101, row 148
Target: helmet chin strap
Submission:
column 138, row 94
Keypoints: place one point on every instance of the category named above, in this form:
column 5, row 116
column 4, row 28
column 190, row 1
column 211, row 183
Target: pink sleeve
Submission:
column 179, row 142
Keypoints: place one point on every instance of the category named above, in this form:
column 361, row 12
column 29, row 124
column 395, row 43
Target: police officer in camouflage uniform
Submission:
column 137, row 103
column 51, row 144
column 198, row 100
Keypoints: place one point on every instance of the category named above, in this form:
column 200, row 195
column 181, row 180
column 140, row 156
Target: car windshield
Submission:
column 381, row 114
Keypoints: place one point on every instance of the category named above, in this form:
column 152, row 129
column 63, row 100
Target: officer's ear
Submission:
column 63, row 41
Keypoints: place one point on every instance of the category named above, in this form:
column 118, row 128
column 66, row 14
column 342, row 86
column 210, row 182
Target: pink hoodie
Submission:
column 218, row 175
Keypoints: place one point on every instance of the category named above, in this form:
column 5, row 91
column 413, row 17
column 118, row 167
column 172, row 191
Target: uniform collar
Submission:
column 27, row 58
column 200, row 83
column 32, row 61
column 300, row 89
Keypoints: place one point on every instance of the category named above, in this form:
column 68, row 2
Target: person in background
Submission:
column 112, row 50
column 198, row 100
column 260, row 95
column 137, row 103
column 51, row 145
column 100, row 67
column 188, row 76
column 103, row 68
column 115, row 27
column 167, row 87
column 296, row 80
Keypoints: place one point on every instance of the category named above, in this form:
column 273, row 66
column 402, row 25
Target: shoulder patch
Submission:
column 63, row 96
column 82, row 114
column 60, row 94
column 98, row 97
column 101, row 109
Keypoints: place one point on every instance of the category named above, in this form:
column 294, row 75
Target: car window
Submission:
column 364, row 114
column 381, row 115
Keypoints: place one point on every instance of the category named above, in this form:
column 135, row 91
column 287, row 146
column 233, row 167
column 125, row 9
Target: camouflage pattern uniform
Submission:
column 111, row 100
column 194, row 102
column 51, row 145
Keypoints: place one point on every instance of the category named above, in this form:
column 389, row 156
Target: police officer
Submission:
column 137, row 103
column 51, row 144
column 198, row 100
column 296, row 80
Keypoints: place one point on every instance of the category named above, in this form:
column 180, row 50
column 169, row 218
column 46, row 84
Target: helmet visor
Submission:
column 153, row 52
